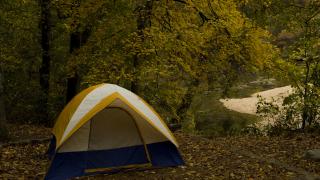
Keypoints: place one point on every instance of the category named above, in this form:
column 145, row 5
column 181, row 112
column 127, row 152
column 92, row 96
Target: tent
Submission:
column 106, row 128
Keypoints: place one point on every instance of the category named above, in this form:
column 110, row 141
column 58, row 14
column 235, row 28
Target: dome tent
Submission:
column 106, row 128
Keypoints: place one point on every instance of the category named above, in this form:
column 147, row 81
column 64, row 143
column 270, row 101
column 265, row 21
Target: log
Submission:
column 313, row 154
column 25, row 141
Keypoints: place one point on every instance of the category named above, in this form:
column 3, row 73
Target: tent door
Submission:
column 115, row 141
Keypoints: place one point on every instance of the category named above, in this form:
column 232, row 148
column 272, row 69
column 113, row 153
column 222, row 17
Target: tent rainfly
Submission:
column 106, row 128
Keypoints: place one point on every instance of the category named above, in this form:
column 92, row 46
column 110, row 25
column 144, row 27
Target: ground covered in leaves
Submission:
column 241, row 157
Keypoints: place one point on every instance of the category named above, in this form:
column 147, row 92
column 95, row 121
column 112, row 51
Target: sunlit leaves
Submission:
column 186, row 41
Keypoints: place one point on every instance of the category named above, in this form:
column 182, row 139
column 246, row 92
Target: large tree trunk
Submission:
column 187, row 118
column 143, row 22
column 72, row 86
column 187, row 99
column 44, row 71
column 77, row 39
column 3, row 129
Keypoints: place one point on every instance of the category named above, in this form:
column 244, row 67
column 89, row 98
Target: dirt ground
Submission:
column 245, row 157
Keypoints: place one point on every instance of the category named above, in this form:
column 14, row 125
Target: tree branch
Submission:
column 203, row 17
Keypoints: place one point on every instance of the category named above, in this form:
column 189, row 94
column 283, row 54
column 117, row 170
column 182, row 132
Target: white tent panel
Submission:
column 78, row 141
column 101, row 92
column 113, row 128
column 149, row 133
column 138, row 103
column 90, row 101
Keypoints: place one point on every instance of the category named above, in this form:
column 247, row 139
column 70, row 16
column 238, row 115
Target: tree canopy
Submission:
column 165, row 51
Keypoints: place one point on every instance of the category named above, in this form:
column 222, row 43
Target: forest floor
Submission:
column 233, row 157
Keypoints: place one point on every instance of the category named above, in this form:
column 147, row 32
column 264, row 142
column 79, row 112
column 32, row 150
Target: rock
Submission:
column 313, row 154
column 174, row 127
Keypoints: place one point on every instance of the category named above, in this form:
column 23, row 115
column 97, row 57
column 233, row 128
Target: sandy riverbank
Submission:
column 249, row 105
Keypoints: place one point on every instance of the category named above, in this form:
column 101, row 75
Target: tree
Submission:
column 44, row 71
column 3, row 129
column 20, row 59
column 190, row 39
column 300, row 55
column 144, row 12
column 78, row 17
column 168, row 48
column 165, row 51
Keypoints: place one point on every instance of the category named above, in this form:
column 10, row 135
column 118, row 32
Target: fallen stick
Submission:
column 25, row 141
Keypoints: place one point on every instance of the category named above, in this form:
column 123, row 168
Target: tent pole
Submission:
column 143, row 141
column 140, row 134
column 90, row 129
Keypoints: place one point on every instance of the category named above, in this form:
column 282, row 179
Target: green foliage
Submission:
column 20, row 58
column 221, row 122
column 189, row 47
column 298, row 39
column 212, row 118
column 186, row 42
column 172, row 50
column 287, row 116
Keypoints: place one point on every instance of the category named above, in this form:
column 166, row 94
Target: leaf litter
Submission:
column 233, row 157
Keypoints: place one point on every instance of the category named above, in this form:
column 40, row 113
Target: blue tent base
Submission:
column 73, row 164
column 52, row 147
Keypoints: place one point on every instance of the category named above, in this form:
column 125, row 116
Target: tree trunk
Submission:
column 306, row 94
column 304, row 118
column 143, row 22
column 3, row 129
column 187, row 118
column 72, row 86
column 77, row 39
column 44, row 71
